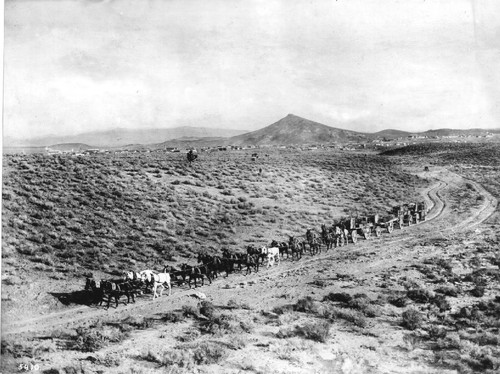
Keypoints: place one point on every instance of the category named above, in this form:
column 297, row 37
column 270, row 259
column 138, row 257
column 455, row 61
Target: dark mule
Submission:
column 283, row 247
column 313, row 242
column 116, row 289
column 213, row 264
column 195, row 273
column 296, row 247
column 252, row 250
column 96, row 291
column 251, row 262
column 327, row 236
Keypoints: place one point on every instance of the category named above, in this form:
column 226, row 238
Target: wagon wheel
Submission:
column 378, row 231
column 354, row 236
column 390, row 227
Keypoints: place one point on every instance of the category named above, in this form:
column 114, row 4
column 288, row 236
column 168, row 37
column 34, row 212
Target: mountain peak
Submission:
column 293, row 129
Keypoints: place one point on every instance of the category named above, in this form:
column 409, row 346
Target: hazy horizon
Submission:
column 74, row 66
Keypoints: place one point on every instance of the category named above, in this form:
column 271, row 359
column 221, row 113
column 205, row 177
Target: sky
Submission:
column 72, row 66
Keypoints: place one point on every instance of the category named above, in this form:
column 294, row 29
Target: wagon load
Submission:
column 411, row 213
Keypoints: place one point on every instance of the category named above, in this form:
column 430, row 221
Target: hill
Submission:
column 391, row 134
column 70, row 147
column 189, row 141
column 296, row 130
column 120, row 137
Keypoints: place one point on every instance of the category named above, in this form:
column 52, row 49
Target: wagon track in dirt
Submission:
column 379, row 247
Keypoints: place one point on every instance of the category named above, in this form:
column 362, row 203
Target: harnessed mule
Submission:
column 157, row 280
column 313, row 242
column 116, row 289
column 327, row 236
column 296, row 247
column 96, row 291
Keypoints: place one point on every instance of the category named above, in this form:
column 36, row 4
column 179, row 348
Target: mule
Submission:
column 273, row 254
column 252, row 262
column 296, row 247
column 327, row 236
column 157, row 280
column 116, row 289
column 96, row 291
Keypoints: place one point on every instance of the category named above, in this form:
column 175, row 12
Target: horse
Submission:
column 157, row 280
column 191, row 156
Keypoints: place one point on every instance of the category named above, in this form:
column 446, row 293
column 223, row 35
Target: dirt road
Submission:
column 364, row 260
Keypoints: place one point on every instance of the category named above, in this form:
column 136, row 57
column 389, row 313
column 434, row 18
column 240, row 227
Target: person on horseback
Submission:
column 191, row 156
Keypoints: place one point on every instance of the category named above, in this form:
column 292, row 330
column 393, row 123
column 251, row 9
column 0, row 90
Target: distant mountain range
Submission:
column 121, row 137
column 290, row 130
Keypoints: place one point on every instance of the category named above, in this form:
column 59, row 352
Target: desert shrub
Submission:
column 478, row 291
column 353, row 316
column 400, row 302
column 436, row 332
column 340, row 297
column 319, row 282
column 232, row 304
column 318, row 331
column 412, row 319
column 171, row 358
column 218, row 324
column 364, row 305
column 441, row 302
column 93, row 338
column 190, row 311
column 138, row 322
column 283, row 309
column 209, row 353
column 447, row 291
column 174, row 317
column 206, row 308
column 411, row 340
column 420, row 295
column 189, row 335
column 484, row 338
column 305, row 305
column 109, row 360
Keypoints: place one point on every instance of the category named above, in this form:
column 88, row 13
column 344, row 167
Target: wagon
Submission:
column 357, row 226
column 411, row 213
column 389, row 222
column 374, row 225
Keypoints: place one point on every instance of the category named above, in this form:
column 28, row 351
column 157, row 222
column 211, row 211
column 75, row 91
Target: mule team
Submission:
column 211, row 266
